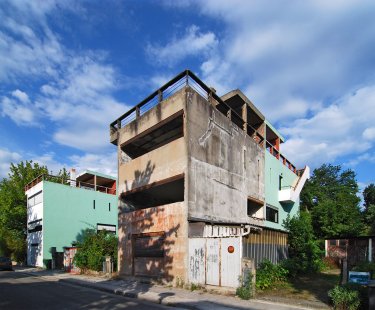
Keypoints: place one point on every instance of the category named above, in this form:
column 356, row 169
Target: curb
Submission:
column 145, row 296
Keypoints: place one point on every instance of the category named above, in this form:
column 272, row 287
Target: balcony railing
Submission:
column 182, row 80
column 273, row 151
column 69, row 182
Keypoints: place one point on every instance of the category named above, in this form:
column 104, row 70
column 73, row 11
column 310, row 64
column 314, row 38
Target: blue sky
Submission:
column 69, row 68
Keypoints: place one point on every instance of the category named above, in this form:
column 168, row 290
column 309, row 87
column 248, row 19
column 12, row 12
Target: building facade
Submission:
column 58, row 212
column 199, row 175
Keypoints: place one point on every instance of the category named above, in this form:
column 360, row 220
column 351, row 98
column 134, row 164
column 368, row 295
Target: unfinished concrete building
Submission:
column 192, row 183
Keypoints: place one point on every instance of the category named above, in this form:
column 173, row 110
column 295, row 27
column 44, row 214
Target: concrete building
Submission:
column 202, row 185
column 58, row 211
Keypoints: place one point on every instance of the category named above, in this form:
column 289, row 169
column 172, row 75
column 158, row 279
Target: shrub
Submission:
column 93, row 248
column 268, row 274
column 305, row 254
column 366, row 267
column 246, row 290
column 344, row 298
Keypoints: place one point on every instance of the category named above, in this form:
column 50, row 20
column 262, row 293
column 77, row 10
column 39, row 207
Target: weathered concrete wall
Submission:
column 225, row 165
column 170, row 219
column 152, row 117
column 159, row 164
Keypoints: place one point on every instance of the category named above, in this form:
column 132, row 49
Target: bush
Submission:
column 268, row 274
column 366, row 267
column 305, row 254
column 246, row 290
column 344, row 298
column 93, row 248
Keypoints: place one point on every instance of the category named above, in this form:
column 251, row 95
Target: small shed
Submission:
column 355, row 249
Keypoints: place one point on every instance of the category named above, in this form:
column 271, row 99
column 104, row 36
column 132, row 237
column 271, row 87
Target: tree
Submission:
column 93, row 248
column 13, row 210
column 303, row 248
column 331, row 197
column 369, row 208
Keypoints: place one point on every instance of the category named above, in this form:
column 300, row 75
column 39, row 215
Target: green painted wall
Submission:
column 69, row 210
column 274, row 168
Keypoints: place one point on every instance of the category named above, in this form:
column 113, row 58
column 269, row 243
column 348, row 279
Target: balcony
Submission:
column 290, row 194
column 85, row 181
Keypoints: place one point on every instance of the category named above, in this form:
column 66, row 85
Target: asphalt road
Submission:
column 20, row 291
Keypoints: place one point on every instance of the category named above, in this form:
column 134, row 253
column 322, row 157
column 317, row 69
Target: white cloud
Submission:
column 192, row 43
column 76, row 95
column 22, row 113
column 21, row 96
column 105, row 163
column 334, row 131
column 369, row 133
column 6, row 158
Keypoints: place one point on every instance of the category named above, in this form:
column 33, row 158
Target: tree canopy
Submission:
column 13, row 210
column 331, row 196
column 13, row 207
column 369, row 208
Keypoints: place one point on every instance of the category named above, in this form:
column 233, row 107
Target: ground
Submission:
column 311, row 287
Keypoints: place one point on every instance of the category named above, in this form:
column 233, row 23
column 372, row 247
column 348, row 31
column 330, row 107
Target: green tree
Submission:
column 330, row 195
column 304, row 252
column 13, row 210
column 93, row 248
column 369, row 208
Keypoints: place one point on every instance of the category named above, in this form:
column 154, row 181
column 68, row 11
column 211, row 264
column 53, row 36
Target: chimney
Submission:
column 72, row 176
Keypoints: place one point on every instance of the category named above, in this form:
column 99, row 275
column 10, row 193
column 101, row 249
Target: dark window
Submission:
column 332, row 242
column 342, row 243
column 109, row 207
column 280, row 181
column 93, row 204
column 272, row 214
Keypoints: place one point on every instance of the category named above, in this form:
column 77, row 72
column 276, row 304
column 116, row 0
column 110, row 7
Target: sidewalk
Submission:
column 168, row 296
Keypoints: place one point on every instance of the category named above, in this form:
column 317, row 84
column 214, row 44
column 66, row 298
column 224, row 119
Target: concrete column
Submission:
column 95, row 182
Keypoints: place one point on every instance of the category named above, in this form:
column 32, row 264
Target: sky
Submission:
column 70, row 68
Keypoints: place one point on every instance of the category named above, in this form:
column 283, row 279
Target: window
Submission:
column 272, row 214
column 34, row 226
column 35, row 199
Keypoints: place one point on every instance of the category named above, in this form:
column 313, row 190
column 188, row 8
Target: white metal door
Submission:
column 212, row 261
column 197, row 256
column 230, row 261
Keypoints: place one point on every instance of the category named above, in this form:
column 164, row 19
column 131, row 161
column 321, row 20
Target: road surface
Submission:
column 20, row 291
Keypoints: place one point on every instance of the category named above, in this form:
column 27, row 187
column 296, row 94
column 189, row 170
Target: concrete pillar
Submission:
column 95, row 182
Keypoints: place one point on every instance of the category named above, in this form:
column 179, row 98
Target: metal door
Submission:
column 212, row 261
column 230, row 254
column 197, row 256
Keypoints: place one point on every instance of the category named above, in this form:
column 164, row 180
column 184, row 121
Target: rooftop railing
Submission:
column 189, row 79
column 69, row 182
column 182, row 80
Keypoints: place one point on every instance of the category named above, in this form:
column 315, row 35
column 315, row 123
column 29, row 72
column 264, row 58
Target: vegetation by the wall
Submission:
column 269, row 274
column 344, row 298
column 305, row 255
column 245, row 291
column 93, row 248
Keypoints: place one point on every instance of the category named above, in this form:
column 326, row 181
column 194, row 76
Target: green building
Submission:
column 58, row 211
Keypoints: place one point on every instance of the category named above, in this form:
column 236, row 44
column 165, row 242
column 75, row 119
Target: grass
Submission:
column 310, row 287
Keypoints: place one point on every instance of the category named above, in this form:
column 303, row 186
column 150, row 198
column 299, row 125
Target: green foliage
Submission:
column 330, row 195
column 366, row 267
column 245, row 291
column 269, row 274
column 93, row 248
column 369, row 208
column 13, row 210
column 344, row 298
column 304, row 252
